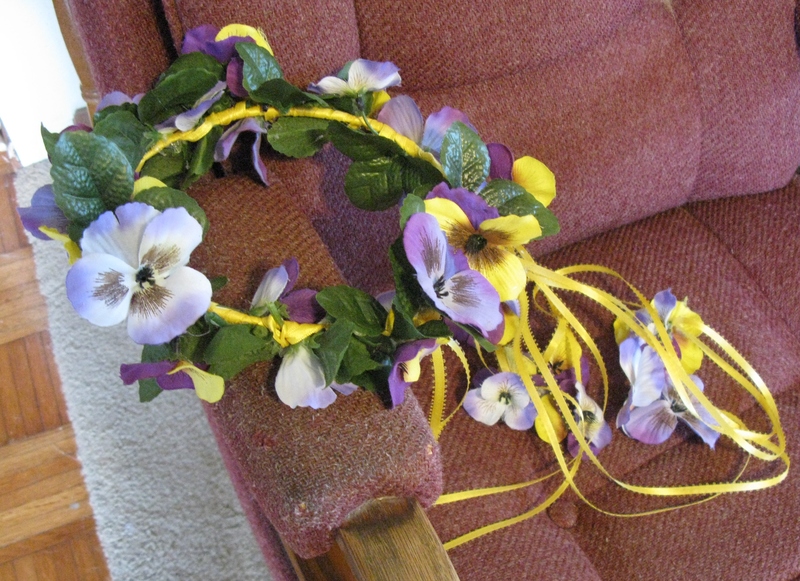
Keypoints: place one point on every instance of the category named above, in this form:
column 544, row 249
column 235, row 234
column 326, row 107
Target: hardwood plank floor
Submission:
column 47, row 531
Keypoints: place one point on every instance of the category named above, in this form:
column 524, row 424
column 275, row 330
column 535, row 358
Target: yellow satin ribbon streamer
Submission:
column 765, row 446
column 436, row 417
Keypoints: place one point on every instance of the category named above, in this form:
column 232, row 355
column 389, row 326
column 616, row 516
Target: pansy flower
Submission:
column 300, row 381
column 486, row 238
column 232, row 133
column 134, row 267
column 46, row 221
column 402, row 114
column 654, row 423
column 681, row 323
column 501, row 396
column 591, row 423
column 406, row 367
column 461, row 293
column 359, row 77
column 172, row 375
column 528, row 172
column 188, row 119
column 277, row 285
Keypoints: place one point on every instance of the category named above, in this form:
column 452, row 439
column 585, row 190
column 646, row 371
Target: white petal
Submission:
column 520, row 418
column 650, row 378
column 271, row 286
column 485, row 411
column 162, row 312
column 169, row 240
column 301, row 381
column 99, row 288
column 119, row 235
column 331, row 86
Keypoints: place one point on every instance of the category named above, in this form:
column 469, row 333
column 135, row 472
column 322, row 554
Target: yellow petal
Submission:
column 551, row 415
column 72, row 248
column 535, row 177
column 379, row 99
column 247, row 31
column 691, row 354
column 564, row 351
column 504, row 271
column 449, row 214
column 145, row 183
column 511, row 230
column 621, row 331
column 511, row 325
column 207, row 386
column 685, row 321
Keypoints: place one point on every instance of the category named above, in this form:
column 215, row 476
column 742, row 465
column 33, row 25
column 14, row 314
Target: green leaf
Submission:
column 163, row 198
column 175, row 94
column 419, row 176
column 360, row 146
column 511, row 198
column 50, row 139
column 464, row 157
column 411, row 205
column 259, row 66
column 376, row 184
column 169, row 165
column 148, row 390
column 362, row 310
column 202, row 157
column 298, row 136
column 280, row 94
column 192, row 344
column 111, row 109
column 90, row 175
column 234, row 348
column 218, row 283
column 332, row 345
column 409, row 297
column 355, row 361
column 132, row 136
column 195, row 61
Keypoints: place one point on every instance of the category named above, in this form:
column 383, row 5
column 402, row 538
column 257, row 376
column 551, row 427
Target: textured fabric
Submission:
column 300, row 464
column 744, row 56
column 763, row 233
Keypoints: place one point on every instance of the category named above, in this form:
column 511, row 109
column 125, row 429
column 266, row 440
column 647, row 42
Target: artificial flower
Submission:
column 277, row 285
column 43, row 212
column 300, row 381
column 188, row 119
column 134, row 267
column 486, row 238
column 406, row 367
column 231, row 134
column 117, row 98
column 528, row 172
column 461, row 293
column 362, row 75
column 171, row 375
column 646, row 373
column 402, row 114
column 501, row 396
column 682, row 324
column 654, row 423
column 591, row 423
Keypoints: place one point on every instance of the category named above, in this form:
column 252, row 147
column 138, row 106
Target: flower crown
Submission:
column 463, row 277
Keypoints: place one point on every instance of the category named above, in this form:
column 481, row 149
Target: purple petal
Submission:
column 402, row 114
column 366, row 75
column 520, row 418
column 344, row 388
column 651, row 424
column 179, row 380
column 502, row 160
column 437, row 125
column 406, row 352
column 99, row 288
column 475, row 207
column 258, row 163
column 186, row 121
column 198, row 39
column 293, row 271
column 664, row 302
column 115, row 98
column 229, row 137
column 485, row 411
column 130, row 372
column 158, row 318
column 271, row 287
column 303, row 307
column 426, row 248
column 43, row 211
column 234, row 78
column 701, row 427
column 468, row 298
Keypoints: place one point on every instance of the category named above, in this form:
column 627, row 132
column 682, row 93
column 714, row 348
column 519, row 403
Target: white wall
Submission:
column 38, row 83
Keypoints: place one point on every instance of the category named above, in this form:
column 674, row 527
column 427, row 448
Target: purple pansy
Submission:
column 501, row 396
column 402, row 114
column 363, row 76
column 461, row 293
column 406, row 368
column 502, row 160
column 226, row 141
column 655, row 422
column 277, row 285
column 188, row 119
column 43, row 211
column 160, row 371
column 592, row 424
column 203, row 39
column 134, row 267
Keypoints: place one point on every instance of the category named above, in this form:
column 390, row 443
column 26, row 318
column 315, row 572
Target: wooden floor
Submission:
column 47, row 530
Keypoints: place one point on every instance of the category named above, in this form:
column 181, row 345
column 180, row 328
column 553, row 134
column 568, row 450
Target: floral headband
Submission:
column 463, row 277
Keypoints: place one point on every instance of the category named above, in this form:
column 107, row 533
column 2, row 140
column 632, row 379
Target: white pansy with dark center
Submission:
column 134, row 267
column 501, row 396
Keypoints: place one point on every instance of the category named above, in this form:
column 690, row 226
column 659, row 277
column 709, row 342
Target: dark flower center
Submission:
column 145, row 275
column 504, row 397
column 474, row 244
column 438, row 288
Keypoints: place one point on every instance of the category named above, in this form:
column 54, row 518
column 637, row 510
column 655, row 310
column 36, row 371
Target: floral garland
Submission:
column 462, row 273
